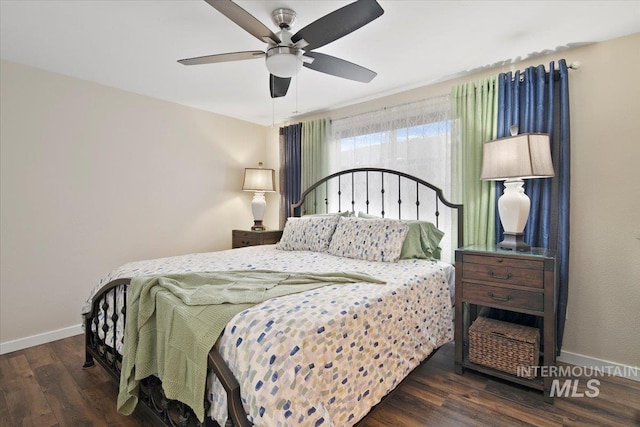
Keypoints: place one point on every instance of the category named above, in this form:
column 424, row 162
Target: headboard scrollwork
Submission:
column 381, row 192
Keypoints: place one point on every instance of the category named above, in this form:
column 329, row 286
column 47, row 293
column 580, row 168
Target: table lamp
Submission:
column 259, row 181
column 513, row 159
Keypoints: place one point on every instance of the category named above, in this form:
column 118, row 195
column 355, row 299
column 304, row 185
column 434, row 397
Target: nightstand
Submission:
column 243, row 238
column 523, row 282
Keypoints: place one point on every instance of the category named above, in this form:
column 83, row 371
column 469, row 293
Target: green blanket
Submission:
column 173, row 321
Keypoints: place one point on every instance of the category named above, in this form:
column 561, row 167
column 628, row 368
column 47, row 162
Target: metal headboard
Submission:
column 335, row 192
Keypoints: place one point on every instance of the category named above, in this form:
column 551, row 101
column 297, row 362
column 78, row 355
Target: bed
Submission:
column 323, row 356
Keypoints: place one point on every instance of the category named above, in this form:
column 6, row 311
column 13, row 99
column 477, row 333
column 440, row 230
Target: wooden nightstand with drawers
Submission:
column 523, row 282
column 243, row 238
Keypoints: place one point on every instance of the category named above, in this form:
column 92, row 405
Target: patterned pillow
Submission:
column 309, row 233
column 422, row 239
column 368, row 239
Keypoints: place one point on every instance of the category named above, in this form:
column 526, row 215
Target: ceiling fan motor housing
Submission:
column 283, row 18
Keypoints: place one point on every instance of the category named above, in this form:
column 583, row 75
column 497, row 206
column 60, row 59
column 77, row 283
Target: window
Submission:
column 413, row 138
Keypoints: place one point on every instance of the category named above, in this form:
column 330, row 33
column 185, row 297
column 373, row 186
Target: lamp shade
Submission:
column 513, row 159
column 523, row 156
column 258, row 179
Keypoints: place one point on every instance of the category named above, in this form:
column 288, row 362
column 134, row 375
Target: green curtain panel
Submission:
column 315, row 153
column 474, row 109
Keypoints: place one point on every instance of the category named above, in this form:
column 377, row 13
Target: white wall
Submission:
column 93, row 177
column 604, row 267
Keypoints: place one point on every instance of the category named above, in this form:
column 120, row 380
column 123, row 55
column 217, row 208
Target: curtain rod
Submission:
column 575, row 65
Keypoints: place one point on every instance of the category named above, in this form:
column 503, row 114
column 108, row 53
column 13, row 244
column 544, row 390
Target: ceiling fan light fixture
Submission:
column 283, row 61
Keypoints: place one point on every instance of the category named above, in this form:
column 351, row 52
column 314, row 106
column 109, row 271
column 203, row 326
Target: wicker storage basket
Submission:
column 504, row 346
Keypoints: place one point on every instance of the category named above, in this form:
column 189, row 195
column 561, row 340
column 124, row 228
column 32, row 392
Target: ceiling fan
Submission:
column 287, row 53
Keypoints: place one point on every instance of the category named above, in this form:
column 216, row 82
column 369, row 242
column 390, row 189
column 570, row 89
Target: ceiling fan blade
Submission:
column 278, row 86
column 223, row 57
column 339, row 67
column 338, row 23
column 244, row 19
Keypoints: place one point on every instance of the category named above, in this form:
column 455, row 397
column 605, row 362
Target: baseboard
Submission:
column 22, row 343
column 623, row 371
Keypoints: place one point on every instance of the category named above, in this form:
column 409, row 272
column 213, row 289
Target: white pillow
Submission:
column 309, row 233
column 368, row 239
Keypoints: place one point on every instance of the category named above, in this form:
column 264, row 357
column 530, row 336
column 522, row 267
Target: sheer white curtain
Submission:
column 414, row 138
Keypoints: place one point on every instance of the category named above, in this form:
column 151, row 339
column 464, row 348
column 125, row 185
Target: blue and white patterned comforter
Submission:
column 323, row 357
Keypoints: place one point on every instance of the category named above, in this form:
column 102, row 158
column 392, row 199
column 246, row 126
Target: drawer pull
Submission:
column 499, row 276
column 495, row 298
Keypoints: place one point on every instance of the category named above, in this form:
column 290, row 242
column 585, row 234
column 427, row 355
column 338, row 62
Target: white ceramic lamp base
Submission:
column 513, row 207
column 258, row 206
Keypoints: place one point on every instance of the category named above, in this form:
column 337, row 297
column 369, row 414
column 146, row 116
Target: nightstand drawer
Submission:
column 244, row 238
column 506, row 297
column 504, row 261
column 503, row 270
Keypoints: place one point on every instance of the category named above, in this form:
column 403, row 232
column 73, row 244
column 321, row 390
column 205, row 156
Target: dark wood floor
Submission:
column 45, row 386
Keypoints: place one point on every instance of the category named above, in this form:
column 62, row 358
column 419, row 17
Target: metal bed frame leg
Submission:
column 88, row 361
column 88, row 358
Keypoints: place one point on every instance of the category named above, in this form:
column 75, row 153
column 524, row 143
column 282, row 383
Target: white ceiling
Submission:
column 134, row 46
